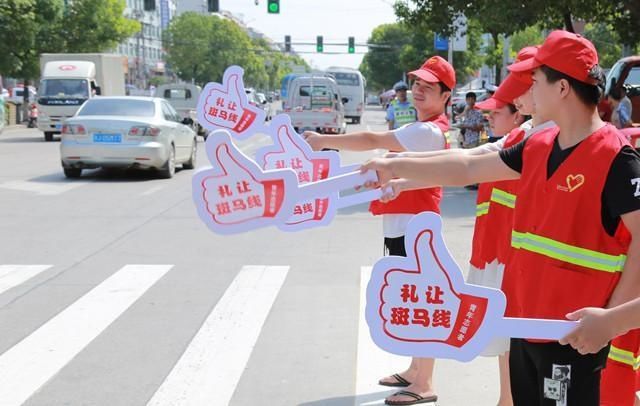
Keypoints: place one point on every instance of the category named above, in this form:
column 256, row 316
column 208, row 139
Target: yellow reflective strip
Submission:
column 503, row 198
column 482, row 209
column 624, row 356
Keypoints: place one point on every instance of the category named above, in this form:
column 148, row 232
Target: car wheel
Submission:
column 191, row 163
column 48, row 136
column 169, row 168
column 72, row 173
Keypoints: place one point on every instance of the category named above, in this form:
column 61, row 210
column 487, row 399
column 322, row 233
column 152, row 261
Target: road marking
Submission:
column 43, row 188
column 28, row 365
column 152, row 190
column 14, row 275
column 372, row 362
column 212, row 365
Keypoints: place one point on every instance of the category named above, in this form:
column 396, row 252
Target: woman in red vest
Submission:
column 577, row 214
column 431, row 92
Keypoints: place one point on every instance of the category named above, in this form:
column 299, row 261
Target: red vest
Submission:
column 415, row 201
column 494, row 216
column 620, row 378
column 563, row 258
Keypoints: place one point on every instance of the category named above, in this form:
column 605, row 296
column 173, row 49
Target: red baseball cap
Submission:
column 436, row 69
column 566, row 52
column 515, row 84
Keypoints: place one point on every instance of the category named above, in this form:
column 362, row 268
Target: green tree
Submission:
column 96, row 25
column 383, row 65
column 529, row 36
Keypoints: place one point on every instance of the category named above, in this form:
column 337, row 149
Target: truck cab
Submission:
column 314, row 102
column 183, row 97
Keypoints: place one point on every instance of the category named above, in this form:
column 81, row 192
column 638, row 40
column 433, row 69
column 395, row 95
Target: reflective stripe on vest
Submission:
column 575, row 255
column 482, row 209
column 403, row 114
column 503, row 198
column 625, row 357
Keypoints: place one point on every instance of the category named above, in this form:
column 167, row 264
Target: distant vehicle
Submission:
column 17, row 94
column 284, row 89
column 127, row 132
column 351, row 84
column 68, row 80
column 259, row 100
column 315, row 103
column 373, row 100
column 183, row 97
column 626, row 73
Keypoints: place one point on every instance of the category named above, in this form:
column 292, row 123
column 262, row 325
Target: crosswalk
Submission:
column 213, row 362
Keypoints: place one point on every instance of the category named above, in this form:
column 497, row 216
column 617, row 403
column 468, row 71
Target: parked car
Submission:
column 127, row 132
column 17, row 94
column 259, row 100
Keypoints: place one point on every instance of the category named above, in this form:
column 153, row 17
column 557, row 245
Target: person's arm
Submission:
column 599, row 326
column 479, row 150
column 624, row 116
column 628, row 288
column 444, row 170
column 390, row 117
column 358, row 141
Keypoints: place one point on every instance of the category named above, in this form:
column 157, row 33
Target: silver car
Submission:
column 127, row 132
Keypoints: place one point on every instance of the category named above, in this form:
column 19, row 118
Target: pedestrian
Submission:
column 431, row 93
column 472, row 122
column 33, row 115
column 574, row 222
column 400, row 111
column 621, row 109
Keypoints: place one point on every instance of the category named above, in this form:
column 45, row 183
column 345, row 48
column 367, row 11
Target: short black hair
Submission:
column 589, row 94
column 444, row 88
column 470, row 94
column 513, row 110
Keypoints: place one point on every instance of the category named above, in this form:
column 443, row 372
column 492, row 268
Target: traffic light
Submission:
column 287, row 43
column 273, row 6
column 352, row 45
column 213, row 6
column 319, row 46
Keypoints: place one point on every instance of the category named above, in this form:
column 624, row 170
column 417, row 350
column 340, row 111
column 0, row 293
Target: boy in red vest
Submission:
column 431, row 91
column 577, row 213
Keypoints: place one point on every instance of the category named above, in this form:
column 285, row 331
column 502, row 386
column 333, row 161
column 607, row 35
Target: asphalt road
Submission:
column 112, row 292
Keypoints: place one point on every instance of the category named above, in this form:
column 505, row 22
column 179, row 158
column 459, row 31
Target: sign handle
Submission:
column 334, row 184
column 358, row 198
column 535, row 328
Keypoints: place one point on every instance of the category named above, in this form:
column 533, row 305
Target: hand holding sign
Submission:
column 226, row 106
column 421, row 306
column 235, row 195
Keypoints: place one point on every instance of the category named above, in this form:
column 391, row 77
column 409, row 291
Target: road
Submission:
column 112, row 292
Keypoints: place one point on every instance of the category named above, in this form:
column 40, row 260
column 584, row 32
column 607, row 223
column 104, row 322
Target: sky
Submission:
column 303, row 20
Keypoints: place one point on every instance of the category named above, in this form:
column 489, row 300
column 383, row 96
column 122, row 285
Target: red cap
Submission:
column 565, row 52
column 515, row 85
column 436, row 69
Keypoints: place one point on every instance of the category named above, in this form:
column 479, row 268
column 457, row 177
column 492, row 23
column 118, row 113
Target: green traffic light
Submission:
column 352, row 50
column 274, row 8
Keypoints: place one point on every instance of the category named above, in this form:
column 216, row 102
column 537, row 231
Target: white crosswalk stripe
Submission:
column 32, row 362
column 212, row 365
column 14, row 275
column 44, row 188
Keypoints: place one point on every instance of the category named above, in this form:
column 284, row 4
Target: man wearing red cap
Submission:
column 431, row 92
column 577, row 214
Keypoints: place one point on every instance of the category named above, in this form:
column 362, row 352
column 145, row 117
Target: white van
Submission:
column 315, row 103
column 183, row 97
column 351, row 84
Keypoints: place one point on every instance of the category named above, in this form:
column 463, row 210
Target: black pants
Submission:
column 550, row 374
column 395, row 246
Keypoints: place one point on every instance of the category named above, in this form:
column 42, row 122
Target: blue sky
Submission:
column 335, row 20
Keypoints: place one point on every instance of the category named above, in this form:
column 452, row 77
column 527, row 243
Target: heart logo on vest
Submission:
column 574, row 181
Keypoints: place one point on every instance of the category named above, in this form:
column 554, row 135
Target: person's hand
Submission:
column 393, row 189
column 382, row 168
column 314, row 139
column 393, row 155
column 593, row 333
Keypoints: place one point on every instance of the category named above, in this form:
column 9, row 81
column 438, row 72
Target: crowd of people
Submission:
column 558, row 207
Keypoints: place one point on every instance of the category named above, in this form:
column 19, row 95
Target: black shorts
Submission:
column 395, row 246
column 550, row 374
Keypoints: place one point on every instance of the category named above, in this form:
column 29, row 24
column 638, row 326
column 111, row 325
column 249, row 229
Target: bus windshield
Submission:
column 346, row 79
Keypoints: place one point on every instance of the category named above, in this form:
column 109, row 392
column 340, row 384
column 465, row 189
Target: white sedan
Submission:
column 127, row 132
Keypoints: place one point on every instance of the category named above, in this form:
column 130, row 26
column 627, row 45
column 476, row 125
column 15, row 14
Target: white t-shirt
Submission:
column 416, row 137
column 528, row 128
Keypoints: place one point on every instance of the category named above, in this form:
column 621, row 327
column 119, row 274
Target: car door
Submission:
column 182, row 137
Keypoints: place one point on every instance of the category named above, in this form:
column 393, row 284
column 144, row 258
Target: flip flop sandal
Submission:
column 417, row 399
column 399, row 383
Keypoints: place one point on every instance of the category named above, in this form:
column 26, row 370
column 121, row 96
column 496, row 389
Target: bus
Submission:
column 351, row 84
column 284, row 88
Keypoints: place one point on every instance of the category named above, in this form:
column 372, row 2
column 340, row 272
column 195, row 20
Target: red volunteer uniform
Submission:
column 415, row 201
column 494, row 216
column 559, row 269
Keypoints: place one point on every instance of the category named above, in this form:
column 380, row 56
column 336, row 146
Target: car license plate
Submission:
column 58, row 126
column 107, row 138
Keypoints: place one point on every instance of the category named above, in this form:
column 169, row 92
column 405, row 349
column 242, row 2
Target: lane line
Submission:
column 152, row 190
column 28, row 365
column 373, row 363
column 14, row 275
column 212, row 365
column 42, row 188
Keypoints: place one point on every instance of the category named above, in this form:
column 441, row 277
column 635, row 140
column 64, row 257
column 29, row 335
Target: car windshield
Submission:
column 77, row 88
column 118, row 107
column 346, row 79
column 634, row 76
column 320, row 95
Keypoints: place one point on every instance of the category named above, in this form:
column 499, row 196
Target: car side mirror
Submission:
column 345, row 100
column 264, row 102
column 98, row 91
column 187, row 121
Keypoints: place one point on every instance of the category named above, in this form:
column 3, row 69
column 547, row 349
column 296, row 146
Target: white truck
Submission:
column 351, row 84
column 314, row 103
column 68, row 80
column 184, row 98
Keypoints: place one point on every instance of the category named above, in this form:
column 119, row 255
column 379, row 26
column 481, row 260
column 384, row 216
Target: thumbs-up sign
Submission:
column 421, row 306
column 235, row 195
column 289, row 150
column 225, row 106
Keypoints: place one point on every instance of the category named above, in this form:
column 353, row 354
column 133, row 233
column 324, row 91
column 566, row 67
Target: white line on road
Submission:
column 152, row 190
column 373, row 363
column 43, row 188
column 14, row 275
column 212, row 365
column 28, row 365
